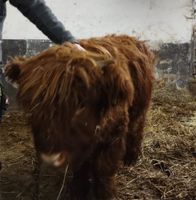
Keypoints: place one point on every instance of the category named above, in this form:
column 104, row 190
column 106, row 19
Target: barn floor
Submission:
column 167, row 169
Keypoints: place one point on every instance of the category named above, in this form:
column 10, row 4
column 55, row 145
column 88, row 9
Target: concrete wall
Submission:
column 150, row 19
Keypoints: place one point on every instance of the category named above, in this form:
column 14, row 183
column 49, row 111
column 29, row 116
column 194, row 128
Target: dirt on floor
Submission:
column 166, row 170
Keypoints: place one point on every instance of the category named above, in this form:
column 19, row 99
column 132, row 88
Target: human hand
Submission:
column 79, row 47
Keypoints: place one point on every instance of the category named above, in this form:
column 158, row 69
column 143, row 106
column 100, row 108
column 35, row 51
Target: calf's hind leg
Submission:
column 134, row 140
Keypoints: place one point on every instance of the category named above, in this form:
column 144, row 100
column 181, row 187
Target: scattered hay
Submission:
column 167, row 169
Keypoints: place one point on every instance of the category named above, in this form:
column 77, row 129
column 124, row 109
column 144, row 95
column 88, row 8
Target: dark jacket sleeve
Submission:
column 41, row 15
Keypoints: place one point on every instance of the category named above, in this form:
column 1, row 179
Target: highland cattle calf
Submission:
column 87, row 108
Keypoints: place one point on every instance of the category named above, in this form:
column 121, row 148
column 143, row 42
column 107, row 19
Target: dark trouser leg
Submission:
column 1, row 114
column 1, row 105
column 3, row 101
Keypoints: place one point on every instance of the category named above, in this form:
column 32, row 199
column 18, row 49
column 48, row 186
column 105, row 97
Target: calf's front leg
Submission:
column 106, row 164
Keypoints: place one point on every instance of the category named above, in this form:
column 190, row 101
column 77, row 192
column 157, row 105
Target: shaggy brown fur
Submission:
column 91, row 105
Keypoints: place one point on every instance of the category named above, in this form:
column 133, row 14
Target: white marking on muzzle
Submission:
column 54, row 159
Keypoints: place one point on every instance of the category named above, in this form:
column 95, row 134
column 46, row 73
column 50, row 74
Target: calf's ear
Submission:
column 12, row 71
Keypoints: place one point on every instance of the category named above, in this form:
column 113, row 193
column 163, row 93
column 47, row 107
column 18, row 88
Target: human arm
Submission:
column 41, row 15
